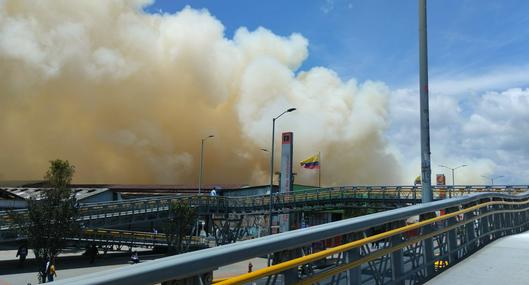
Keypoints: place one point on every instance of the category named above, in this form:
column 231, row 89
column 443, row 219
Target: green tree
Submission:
column 179, row 226
column 52, row 216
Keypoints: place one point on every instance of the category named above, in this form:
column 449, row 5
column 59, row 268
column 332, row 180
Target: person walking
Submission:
column 51, row 270
column 22, row 253
column 43, row 272
column 93, row 253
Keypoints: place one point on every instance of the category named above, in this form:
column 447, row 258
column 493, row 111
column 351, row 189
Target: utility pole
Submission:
column 202, row 162
column 426, row 172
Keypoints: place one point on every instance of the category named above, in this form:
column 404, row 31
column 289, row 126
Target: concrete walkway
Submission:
column 504, row 261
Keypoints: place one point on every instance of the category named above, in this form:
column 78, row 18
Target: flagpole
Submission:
column 319, row 170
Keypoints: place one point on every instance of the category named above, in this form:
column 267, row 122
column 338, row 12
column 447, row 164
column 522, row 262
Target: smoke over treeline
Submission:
column 126, row 96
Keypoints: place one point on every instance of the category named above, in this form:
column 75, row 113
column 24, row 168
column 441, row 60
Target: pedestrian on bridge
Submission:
column 22, row 253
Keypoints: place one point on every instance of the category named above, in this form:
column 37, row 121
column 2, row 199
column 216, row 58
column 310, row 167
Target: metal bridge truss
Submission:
column 117, row 239
column 402, row 246
column 146, row 210
column 402, row 254
column 227, row 229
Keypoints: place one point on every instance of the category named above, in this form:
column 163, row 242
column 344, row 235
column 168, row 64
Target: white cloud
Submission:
column 500, row 78
column 488, row 134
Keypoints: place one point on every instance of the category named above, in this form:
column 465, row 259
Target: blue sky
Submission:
column 377, row 39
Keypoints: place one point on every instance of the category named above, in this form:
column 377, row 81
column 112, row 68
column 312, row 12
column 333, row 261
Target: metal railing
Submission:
column 381, row 248
column 119, row 238
column 125, row 212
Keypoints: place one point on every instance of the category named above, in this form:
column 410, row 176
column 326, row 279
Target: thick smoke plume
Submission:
column 126, row 96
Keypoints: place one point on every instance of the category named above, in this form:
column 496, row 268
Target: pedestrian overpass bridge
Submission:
column 121, row 214
column 380, row 248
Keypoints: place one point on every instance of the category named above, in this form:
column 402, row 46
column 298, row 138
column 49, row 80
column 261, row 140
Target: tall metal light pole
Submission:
column 426, row 172
column 453, row 169
column 272, row 167
column 491, row 178
column 202, row 162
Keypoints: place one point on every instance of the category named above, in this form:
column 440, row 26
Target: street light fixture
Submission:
column 272, row 170
column 492, row 178
column 272, row 165
column 453, row 169
column 202, row 162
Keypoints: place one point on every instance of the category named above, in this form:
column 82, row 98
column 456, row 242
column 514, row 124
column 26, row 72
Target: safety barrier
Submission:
column 119, row 238
column 402, row 246
column 130, row 211
column 140, row 210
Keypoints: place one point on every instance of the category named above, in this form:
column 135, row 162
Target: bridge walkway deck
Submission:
column 504, row 261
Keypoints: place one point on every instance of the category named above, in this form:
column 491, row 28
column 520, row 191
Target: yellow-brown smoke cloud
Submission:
column 126, row 96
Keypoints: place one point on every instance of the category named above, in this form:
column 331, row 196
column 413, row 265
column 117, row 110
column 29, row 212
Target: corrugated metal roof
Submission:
column 6, row 195
column 27, row 192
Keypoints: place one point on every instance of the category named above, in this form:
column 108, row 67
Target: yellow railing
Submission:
column 294, row 263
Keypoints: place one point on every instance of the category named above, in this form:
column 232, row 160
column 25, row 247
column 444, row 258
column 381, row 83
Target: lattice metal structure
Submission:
column 137, row 211
column 403, row 246
column 400, row 254
column 112, row 238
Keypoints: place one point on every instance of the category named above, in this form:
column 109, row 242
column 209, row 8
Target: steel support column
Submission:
column 354, row 274
column 397, row 262
column 470, row 231
column 484, row 226
column 428, row 251
column 452, row 238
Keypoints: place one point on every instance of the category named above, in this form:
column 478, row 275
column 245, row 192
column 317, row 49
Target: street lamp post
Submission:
column 200, row 175
column 453, row 169
column 491, row 178
column 202, row 162
column 272, row 168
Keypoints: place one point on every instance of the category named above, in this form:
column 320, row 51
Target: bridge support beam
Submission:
column 498, row 221
column 452, row 238
column 470, row 231
column 354, row 274
column 484, row 226
column 428, row 245
column 512, row 219
column 397, row 264
column 290, row 276
column 523, row 218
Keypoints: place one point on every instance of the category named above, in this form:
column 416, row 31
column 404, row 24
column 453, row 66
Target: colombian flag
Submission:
column 312, row 162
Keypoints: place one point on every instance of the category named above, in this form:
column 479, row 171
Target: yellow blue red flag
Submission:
column 312, row 162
